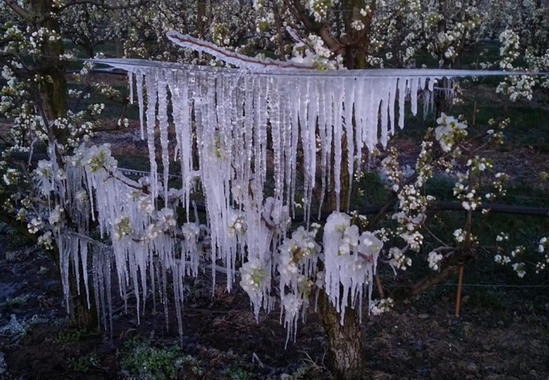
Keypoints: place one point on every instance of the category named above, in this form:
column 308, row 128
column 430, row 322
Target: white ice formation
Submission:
column 257, row 139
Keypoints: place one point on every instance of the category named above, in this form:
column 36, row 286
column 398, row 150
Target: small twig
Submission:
column 379, row 286
column 435, row 236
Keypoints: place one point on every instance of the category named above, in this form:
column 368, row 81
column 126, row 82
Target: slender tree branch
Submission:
column 20, row 11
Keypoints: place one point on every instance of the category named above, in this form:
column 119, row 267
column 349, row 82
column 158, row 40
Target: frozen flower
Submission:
column 237, row 224
column 146, row 204
column 45, row 241
column 121, row 227
column 253, row 275
column 56, row 215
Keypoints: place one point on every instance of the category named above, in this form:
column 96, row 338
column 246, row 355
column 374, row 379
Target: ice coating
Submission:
column 240, row 60
column 234, row 131
column 243, row 128
column 238, row 115
column 350, row 262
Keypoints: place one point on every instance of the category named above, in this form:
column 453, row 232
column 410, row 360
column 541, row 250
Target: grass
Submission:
column 74, row 334
column 240, row 372
column 141, row 359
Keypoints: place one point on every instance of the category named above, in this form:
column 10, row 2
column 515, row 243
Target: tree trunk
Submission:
column 53, row 101
column 53, row 93
column 346, row 354
column 345, row 351
column 80, row 316
column 444, row 99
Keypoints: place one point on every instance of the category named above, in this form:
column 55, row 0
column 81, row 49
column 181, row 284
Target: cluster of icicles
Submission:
column 252, row 140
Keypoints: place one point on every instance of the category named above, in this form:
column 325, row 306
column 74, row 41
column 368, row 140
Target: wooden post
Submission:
column 458, row 296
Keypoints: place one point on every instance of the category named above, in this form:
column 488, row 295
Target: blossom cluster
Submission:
column 449, row 131
column 543, row 248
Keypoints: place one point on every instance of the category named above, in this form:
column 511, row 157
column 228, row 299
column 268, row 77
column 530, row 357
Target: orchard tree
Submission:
column 238, row 134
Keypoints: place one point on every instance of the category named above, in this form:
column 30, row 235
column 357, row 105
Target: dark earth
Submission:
column 501, row 334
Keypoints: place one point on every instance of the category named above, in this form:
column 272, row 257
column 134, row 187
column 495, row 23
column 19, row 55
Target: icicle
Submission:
column 139, row 88
column 402, row 87
column 320, row 99
column 384, row 111
column 274, row 99
column 84, row 262
column 309, row 144
column 225, row 117
column 349, row 101
column 338, row 135
column 392, row 98
column 64, row 257
column 413, row 95
column 130, row 83
column 152, row 86
column 74, row 252
column 163, row 126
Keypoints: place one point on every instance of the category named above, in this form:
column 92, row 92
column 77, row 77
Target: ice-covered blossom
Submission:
column 512, row 260
column 45, row 241
column 10, row 177
column 237, row 224
column 350, row 261
column 56, row 215
column 121, row 227
column 297, row 267
column 99, row 157
column 357, row 25
column 313, row 52
column 509, row 50
column 411, row 215
column 319, row 8
column 502, row 259
column 254, row 280
column 517, row 87
column 146, row 204
column 502, row 236
column 164, row 221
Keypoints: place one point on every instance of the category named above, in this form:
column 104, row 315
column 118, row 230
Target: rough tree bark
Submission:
column 346, row 356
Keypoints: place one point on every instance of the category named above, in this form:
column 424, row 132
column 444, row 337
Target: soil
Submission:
column 417, row 340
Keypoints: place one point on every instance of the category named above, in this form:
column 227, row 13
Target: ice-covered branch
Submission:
column 231, row 57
